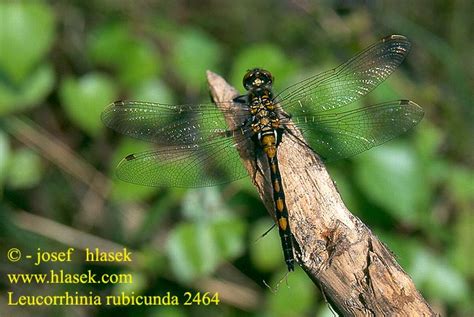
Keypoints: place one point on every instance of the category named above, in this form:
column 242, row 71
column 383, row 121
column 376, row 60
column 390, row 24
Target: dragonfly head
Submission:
column 257, row 77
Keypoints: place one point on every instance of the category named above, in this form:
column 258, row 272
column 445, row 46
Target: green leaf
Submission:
column 191, row 251
column 29, row 93
column 204, row 205
column 24, row 169
column 392, row 177
column 201, row 204
column 84, row 99
column 193, row 54
column 115, row 46
column 108, row 43
column 26, row 34
column 228, row 236
column 437, row 278
column 152, row 90
column 214, row 235
column 141, row 63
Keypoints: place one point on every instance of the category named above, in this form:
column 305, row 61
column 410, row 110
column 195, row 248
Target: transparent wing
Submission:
column 209, row 163
column 336, row 135
column 348, row 82
column 168, row 124
column 194, row 146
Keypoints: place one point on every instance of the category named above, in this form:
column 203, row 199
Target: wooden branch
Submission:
column 357, row 273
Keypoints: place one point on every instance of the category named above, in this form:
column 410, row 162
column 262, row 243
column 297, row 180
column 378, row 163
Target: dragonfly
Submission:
column 195, row 147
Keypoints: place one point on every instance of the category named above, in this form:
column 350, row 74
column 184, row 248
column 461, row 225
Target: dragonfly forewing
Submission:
column 194, row 146
column 168, row 125
column 347, row 82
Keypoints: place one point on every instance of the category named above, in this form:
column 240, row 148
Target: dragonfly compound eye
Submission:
column 257, row 78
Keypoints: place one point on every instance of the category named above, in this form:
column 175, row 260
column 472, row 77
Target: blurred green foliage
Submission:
column 114, row 46
column 27, row 78
column 83, row 99
column 394, row 168
column 24, row 169
column 62, row 62
column 189, row 43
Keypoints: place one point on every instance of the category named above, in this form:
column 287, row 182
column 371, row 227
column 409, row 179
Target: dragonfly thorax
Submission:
column 262, row 110
column 265, row 123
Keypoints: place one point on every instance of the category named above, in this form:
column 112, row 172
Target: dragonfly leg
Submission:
column 298, row 139
column 258, row 169
column 266, row 232
column 240, row 99
column 285, row 114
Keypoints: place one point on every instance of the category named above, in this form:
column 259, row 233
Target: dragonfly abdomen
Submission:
column 269, row 144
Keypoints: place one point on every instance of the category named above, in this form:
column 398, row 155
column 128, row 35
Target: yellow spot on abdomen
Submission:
column 274, row 168
column 282, row 223
column 276, row 186
column 279, row 204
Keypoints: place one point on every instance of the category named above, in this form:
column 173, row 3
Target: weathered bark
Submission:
column 357, row 273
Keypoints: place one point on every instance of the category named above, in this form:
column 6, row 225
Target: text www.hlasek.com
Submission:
column 61, row 277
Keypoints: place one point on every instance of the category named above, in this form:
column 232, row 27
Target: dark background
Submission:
column 62, row 62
